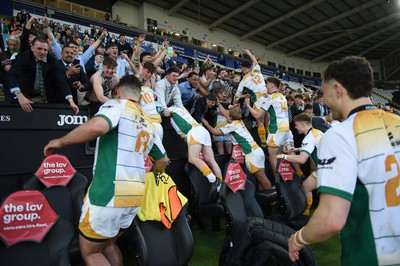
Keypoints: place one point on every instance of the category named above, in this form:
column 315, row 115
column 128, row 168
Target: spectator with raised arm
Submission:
column 85, row 57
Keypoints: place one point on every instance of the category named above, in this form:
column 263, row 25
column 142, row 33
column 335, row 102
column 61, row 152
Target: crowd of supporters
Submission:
column 83, row 67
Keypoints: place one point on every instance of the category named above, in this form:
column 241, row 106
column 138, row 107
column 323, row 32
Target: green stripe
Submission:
column 243, row 143
column 120, row 196
column 130, row 166
column 156, row 153
column 387, row 237
column 377, row 210
column 253, row 97
column 374, row 129
column 366, row 159
column 336, row 192
column 273, row 126
column 130, row 181
column 182, row 124
column 373, row 183
column 358, row 244
column 127, row 135
column 130, row 120
column 125, row 150
column 102, row 189
column 107, row 119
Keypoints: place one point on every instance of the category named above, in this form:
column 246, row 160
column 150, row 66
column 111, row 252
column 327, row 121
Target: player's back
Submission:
column 147, row 102
column 181, row 120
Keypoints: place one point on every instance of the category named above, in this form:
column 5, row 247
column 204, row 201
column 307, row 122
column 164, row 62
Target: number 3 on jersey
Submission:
column 142, row 140
column 392, row 188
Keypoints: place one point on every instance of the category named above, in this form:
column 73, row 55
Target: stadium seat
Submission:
column 251, row 239
column 158, row 245
column 66, row 201
column 51, row 250
column 200, row 202
column 267, row 202
column 241, row 204
column 238, row 207
column 175, row 146
column 293, row 200
column 176, row 169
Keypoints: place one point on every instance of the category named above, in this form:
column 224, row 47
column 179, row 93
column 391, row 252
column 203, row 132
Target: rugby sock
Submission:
column 309, row 203
column 219, row 177
column 206, row 171
column 263, row 135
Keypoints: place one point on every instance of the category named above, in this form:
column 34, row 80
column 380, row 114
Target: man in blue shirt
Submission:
column 188, row 90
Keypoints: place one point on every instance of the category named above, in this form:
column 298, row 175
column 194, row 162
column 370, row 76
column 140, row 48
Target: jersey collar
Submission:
column 362, row 108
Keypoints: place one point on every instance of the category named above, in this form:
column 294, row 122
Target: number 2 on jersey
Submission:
column 393, row 184
column 256, row 80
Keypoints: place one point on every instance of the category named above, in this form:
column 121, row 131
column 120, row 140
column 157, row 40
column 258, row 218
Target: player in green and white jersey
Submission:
column 125, row 136
column 358, row 172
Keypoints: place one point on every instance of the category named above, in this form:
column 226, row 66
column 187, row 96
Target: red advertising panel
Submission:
column 285, row 169
column 235, row 178
column 55, row 170
column 25, row 216
column 237, row 154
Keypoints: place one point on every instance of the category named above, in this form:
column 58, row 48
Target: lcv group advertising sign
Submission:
column 25, row 216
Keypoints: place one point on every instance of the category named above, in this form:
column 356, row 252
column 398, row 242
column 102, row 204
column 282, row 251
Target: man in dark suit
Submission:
column 38, row 77
column 124, row 47
column 319, row 108
column 76, row 77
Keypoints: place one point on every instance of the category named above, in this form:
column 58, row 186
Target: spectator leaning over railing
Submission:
column 188, row 90
column 168, row 92
column 103, row 83
column 36, row 77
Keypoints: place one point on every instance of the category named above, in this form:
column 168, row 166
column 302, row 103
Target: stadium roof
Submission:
column 316, row 30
